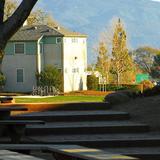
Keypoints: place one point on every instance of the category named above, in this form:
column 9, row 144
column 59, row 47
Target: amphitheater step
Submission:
column 144, row 153
column 55, row 116
column 86, row 127
column 80, row 106
column 102, row 140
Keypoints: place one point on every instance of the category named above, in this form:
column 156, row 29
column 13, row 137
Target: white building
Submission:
column 34, row 47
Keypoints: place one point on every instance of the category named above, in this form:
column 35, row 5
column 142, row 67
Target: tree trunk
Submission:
column 1, row 57
column 118, row 79
column 13, row 23
column 2, row 2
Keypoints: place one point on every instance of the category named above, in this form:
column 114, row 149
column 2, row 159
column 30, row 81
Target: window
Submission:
column 19, row 48
column 58, row 40
column 60, row 70
column 75, row 70
column 74, row 40
column 20, row 76
column 65, row 70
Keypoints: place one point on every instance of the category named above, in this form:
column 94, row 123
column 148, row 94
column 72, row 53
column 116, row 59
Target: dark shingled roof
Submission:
column 32, row 33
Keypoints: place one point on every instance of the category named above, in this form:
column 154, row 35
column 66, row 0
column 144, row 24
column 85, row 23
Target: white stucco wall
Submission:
column 74, row 63
column 9, row 68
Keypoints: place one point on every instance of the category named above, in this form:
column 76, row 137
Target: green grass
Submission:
column 61, row 99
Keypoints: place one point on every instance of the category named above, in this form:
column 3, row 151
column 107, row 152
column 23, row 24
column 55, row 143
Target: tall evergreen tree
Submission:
column 121, row 60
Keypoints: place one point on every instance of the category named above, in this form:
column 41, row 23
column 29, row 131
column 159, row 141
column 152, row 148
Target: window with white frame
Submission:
column 20, row 75
column 75, row 70
column 58, row 40
column 19, row 48
column 74, row 40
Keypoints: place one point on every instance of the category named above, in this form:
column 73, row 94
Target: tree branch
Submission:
column 2, row 3
column 13, row 23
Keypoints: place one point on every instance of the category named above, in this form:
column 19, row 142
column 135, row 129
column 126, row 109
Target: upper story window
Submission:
column 75, row 70
column 58, row 40
column 74, row 40
column 20, row 75
column 19, row 48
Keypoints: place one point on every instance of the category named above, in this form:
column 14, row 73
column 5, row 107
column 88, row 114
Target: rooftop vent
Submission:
column 44, row 31
column 57, row 27
column 35, row 27
column 32, row 28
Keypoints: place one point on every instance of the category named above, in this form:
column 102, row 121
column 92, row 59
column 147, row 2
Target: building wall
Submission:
column 26, row 61
column 52, row 52
column 70, row 55
column 30, row 48
column 74, row 63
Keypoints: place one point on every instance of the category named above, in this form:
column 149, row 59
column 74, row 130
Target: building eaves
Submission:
column 33, row 33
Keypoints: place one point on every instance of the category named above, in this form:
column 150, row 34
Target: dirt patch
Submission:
column 143, row 109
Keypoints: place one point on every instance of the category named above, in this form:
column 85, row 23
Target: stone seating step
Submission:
column 10, row 155
column 102, row 140
column 81, row 106
column 143, row 153
column 55, row 116
column 86, row 127
column 67, row 151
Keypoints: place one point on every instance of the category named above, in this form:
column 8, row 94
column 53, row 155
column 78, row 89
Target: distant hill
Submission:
column 142, row 18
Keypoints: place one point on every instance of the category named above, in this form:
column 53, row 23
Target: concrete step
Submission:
column 55, row 116
column 80, row 106
column 102, row 140
column 144, row 153
column 87, row 127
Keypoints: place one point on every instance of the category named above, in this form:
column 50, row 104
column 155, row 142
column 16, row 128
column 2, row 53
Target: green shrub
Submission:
column 50, row 76
column 2, row 79
column 115, row 87
column 92, row 82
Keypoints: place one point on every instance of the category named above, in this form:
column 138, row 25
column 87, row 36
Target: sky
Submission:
column 81, row 24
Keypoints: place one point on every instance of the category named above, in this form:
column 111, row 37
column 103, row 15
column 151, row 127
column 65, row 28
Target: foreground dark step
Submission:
column 144, row 153
column 102, row 140
column 55, row 116
column 86, row 127
column 81, row 106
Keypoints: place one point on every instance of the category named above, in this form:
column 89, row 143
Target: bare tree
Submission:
column 11, row 25
column 37, row 16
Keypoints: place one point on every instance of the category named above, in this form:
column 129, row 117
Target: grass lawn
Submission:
column 60, row 99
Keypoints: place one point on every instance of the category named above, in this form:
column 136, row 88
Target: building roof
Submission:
column 32, row 33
